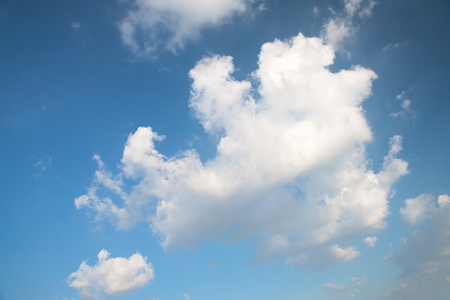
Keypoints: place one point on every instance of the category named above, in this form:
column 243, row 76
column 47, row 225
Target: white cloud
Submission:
column 405, row 106
column 44, row 163
column 290, row 166
column 443, row 200
column 322, row 257
column 335, row 288
column 336, row 30
column 111, row 275
column 170, row 23
column 366, row 11
column 389, row 255
column 75, row 26
column 370, row 241
column 42, row 166
column 425, row 259
column 341, row 26
column 390, row 46
column 417, row 209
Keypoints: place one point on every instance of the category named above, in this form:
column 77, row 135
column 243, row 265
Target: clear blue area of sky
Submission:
column 67, row 94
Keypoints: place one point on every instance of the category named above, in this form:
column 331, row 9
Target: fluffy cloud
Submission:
column 417, row 209
column 172, row 22
column 111, row 275
column 425, row 259
column 341, row 27
column 290, row 165
column 443, row 200
column 370, row 241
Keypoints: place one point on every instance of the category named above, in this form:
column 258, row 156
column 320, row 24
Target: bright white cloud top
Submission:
column 290, row 166
column 111, row 275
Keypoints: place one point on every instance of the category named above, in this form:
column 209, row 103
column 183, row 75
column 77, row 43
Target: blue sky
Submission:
column 226, row 149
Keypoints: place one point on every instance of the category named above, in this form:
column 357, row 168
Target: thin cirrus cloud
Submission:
column 111, row 275
column 425, row 257
column 153, row 24
column 290, row 166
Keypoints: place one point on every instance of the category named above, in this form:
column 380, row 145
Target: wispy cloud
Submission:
column 405, row 106
column 152, row 24
column 391, row 46
column 42, row 166
column 341, row 26
column 337, row 288
column 44, row 163
column 75, row 26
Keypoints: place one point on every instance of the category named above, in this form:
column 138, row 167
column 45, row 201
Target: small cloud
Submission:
column 111, row 275
column 163, row 69
column 405, row 106
column 389, row 256
column 315, row 10
column 211, row 262
column 400, row 96
column 75, row 26
column 443, row 200
column 337, row 288
column 42, row 165
column 417, row 209
column 186, row 296
column 370, row 241
column 323, row 258
column 391, row 46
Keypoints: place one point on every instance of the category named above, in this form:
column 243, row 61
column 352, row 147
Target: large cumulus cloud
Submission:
column 290, row 166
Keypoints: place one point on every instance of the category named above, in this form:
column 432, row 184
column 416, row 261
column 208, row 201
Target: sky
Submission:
column 224, row 149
